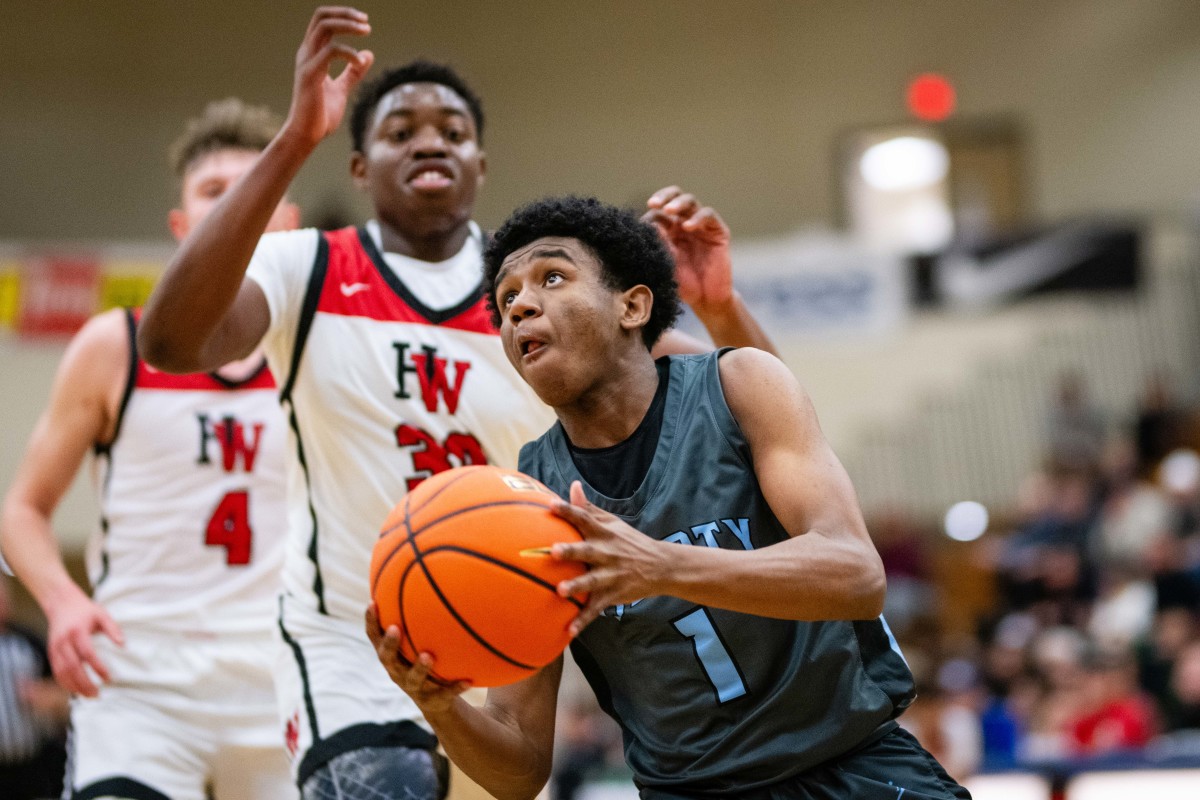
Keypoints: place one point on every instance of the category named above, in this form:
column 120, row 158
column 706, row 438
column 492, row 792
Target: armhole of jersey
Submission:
column 130, row 381
column 723, row 416
column 308, row 312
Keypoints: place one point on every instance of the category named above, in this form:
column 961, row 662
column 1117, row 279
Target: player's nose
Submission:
column 428, row 142
column 524, row 306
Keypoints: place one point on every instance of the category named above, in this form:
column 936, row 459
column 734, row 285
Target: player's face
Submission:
column 564, row 330
column 208, row 179
column 421, row 162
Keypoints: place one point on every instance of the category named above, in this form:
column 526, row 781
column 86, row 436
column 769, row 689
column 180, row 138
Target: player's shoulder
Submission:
column 749, row 365
column 755, row 382
column 103, row 339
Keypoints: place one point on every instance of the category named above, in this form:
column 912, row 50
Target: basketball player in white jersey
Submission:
column 391, row 370
column 171, row 658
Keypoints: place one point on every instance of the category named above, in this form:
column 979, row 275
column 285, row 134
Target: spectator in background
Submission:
column 1134, row 513
column 33, row 712
column 1159, row 418
column 911, row 593
column 1181, row 708
column 1113, row 715
column 1074, row 429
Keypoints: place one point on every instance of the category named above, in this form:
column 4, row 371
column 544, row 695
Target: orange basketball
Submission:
column 453, row 568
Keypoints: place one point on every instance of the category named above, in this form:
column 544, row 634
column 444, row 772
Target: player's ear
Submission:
column 637, row 303
column 482, row 169
column 358, row 170
column 177, row 222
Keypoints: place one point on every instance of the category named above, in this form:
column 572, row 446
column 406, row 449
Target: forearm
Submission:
column 732, row 325
column 181, row 325
column 807, row 577
column 491, row 750
column 32, row 551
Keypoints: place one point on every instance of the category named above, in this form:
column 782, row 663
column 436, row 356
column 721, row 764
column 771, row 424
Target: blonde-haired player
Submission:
column 185, row 563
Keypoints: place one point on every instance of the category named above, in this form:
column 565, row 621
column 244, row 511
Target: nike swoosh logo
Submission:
column 349, row 289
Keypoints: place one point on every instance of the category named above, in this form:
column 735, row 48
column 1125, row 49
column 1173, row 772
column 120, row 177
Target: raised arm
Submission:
column 699, row 241
column 203, row 313
column 80, row 414
column 828, row 569
column 506, row 745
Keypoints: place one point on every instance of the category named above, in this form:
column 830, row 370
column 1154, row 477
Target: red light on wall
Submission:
column 931, row 97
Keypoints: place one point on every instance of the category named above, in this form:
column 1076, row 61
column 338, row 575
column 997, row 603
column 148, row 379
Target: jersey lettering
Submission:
column 431, row 374
column 229, row 527
column 706, row 533
column 230, row 433
column 430, row 457
column 714, row 657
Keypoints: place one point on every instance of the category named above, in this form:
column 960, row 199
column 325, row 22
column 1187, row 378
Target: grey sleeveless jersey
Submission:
column 712, row 701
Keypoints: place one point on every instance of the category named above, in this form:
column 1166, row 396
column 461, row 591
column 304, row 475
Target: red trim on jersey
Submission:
column 150, row 378
column 354, row 287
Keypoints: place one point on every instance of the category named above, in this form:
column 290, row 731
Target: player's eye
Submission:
column 507, row 298
column 400, row 135
column 454, row 135
column 554, row 278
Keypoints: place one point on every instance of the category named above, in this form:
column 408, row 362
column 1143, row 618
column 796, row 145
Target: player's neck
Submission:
column 609, row 412
column 435, row 243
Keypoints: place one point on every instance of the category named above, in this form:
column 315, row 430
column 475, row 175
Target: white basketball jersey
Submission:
column 388, row 391
column 192, row 503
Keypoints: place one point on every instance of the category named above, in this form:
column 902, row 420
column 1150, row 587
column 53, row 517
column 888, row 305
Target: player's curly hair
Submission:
column 629, row 250
column 419, row 71
column 228, row 124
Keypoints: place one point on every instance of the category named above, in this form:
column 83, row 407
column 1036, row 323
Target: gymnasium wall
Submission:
column 742, row 102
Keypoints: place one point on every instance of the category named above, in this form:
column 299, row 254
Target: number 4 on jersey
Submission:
column 229, row 527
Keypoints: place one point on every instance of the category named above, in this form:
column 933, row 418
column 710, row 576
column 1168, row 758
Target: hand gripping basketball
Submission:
column 460, row 568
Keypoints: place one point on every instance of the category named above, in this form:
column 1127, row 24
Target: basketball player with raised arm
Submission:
column 185, row 565
column 391, row 367
column 733, row 623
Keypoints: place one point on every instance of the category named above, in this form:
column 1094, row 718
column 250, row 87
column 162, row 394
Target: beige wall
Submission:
column 743, row 101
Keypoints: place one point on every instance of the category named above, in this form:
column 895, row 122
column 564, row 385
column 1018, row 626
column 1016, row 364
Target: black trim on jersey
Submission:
column 103, row 552
column 318, row 581
column 231, row 384
column 105, row 450
column 309, row 708
column 308, row 312
column 117, row 787
column 402, row 733
column 130, row 380
column 393, row 280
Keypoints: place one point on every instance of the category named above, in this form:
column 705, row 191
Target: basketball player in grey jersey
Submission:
column 733, row 624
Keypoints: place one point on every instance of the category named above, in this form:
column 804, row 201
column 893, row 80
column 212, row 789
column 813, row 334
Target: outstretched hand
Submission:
column 71, row 625
column 319, row 99
column 415, row 678
column 625, row 564
column 699, row 241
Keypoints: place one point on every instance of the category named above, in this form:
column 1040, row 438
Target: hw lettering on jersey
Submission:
column 432, row 372
column 706, row 534
column 238, row 441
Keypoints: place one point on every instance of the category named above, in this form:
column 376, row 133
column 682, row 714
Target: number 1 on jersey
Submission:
column 229, row 527
column 718, row 665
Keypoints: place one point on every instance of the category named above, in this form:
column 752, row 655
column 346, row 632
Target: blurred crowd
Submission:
column 1089, row 649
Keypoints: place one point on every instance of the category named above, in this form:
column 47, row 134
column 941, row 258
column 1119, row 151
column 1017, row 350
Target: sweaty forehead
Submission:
column 413, row 97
